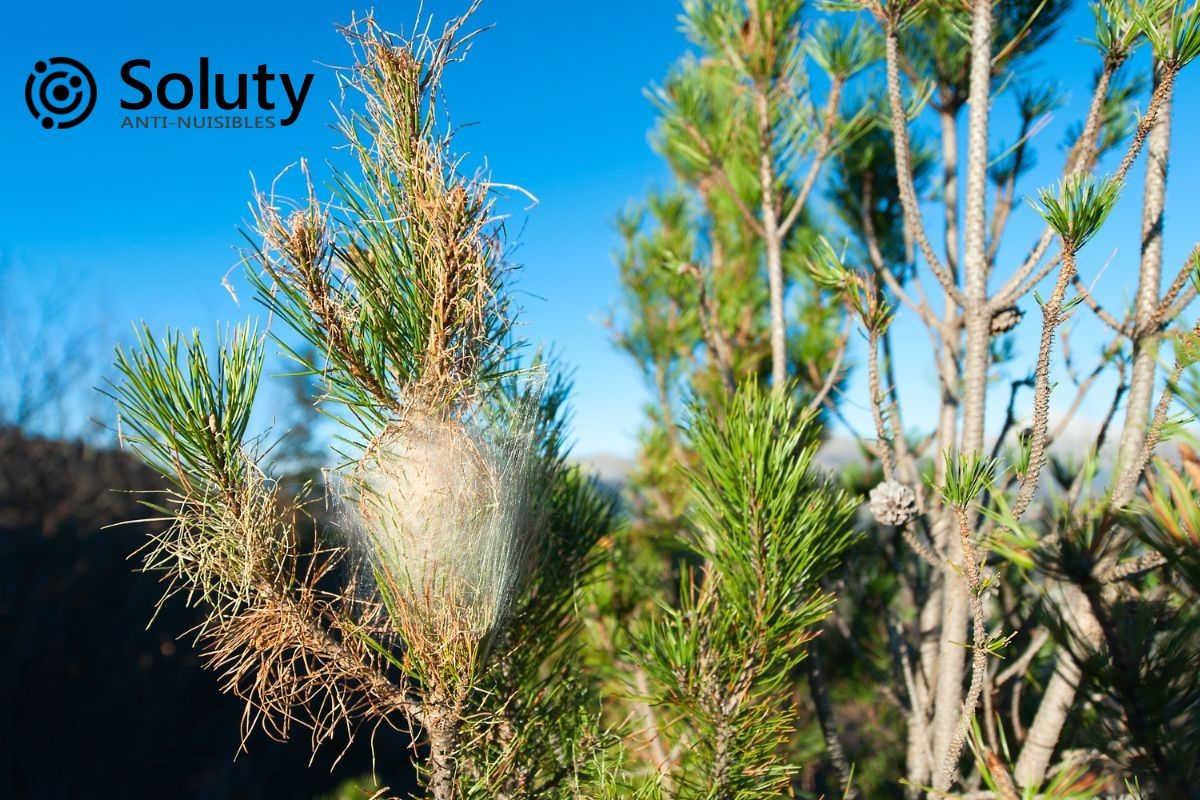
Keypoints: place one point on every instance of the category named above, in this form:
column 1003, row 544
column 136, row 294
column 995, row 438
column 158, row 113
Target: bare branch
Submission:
column 1018, row 667
column 887, row 458
column 1167, row 310
column 1078, row 160
column 1105, row 316
column 1052, row 317
column 908, row 194
column 835, row 370
column 978, row 653
column 1083, row 390
column 718, row 170
column 710, row 325
column 1134, row 568
column 824, row 143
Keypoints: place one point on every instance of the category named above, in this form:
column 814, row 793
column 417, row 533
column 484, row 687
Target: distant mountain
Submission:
column 612, row 470
column 840, row 450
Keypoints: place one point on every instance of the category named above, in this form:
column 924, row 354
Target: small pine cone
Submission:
column 892, row 503
column 1006, row 319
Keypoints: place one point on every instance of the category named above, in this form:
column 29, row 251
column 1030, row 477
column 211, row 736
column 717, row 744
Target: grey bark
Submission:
column 1061, row 690
column 1145, row 322
column 773, row 239
column 948, row 117
column 952, row 657
column 1052, row 713
column 943, row 527
column 442, row 731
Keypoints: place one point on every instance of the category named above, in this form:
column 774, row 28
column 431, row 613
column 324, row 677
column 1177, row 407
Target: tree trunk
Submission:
column 920, row 770
column 442, row 731
column 948, row 117
column 952, row 657
column 1057, row 701
column 1145, row 323
column 976, row 315
column 1043, row 734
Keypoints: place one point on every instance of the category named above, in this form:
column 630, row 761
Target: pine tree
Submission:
column 1029, row 618
column 709, row 268
column 1045, row 558
column 440, row 598
column 765, row 530
column 992, row 548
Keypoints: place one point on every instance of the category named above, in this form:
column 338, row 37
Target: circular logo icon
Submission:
column 60, row 92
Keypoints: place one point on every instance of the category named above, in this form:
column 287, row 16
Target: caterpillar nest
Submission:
column 442, row 508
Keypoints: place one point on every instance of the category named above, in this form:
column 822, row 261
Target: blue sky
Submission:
column 144, row 224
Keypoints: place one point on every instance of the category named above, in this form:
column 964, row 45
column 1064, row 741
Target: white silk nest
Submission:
column 443, row 515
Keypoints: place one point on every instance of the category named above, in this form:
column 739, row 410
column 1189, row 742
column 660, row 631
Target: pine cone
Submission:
column 892, row 503
column 1006, row 319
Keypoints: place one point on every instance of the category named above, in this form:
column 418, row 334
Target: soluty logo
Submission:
column 60, row 92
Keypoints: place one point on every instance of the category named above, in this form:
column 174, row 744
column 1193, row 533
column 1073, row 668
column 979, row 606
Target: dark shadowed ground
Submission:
column 94, row 705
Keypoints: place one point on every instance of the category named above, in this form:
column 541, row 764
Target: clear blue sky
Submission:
column 143, row 224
